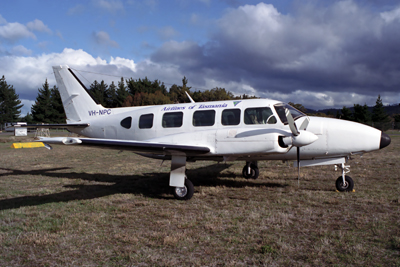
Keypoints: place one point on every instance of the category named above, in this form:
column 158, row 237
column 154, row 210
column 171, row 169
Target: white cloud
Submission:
column 27, row 74
column 38, row 25
column 103, row 38
column 112, row 6
column 14, row 31
column 20, row 50
column 123, row 62
column 2, row 20
column 76, row 10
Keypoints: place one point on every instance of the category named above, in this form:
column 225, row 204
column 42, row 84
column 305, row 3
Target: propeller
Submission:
column 300, row 137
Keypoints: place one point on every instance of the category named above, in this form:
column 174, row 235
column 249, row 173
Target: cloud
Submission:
column 2, row 20
column 27, row 74
column 167, row 33
column 20, row 50
column 340, row 48
column 38, row 25
column 112, row 6
column 76, row 10
column 14, row 31
column 102, row 38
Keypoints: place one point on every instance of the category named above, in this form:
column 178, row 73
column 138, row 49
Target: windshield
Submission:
column 280, row 109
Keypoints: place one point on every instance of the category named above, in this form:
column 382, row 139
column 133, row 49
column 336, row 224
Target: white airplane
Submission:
column 249, row 130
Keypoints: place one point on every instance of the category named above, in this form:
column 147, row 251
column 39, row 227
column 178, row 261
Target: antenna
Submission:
column 191, row 100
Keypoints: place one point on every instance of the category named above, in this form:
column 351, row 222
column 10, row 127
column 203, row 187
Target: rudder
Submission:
column 75, row 99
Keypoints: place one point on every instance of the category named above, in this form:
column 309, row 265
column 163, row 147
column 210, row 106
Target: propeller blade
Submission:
column 304, row 125
column 290, row 120
column 298, row 166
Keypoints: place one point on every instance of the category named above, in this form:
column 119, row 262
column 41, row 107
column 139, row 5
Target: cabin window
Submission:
column 230, row 116
column 172, row 119
column 146, row 121
column 204, row 118
column 127, row 122
column 259, row 116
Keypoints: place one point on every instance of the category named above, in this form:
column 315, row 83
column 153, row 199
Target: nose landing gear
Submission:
column 344, row 183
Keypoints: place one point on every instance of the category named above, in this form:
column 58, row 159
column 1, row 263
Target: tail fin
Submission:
column 76, row 101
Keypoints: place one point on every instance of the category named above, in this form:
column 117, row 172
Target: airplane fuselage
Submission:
column 231, row 129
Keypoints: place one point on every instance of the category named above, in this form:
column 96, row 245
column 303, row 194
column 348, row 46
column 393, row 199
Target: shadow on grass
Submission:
column 155, row 185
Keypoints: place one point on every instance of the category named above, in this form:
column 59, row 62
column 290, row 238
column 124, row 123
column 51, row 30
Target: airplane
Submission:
column 248, row 130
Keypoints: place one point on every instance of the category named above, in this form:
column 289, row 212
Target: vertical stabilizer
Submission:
column 76, row 101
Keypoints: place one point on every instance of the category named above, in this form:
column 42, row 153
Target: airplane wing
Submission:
column 83, row 125
column 137, row 146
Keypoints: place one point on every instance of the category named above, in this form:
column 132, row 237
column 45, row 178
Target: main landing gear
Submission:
column 184, row 193
column 183, row 188
column 250, row 170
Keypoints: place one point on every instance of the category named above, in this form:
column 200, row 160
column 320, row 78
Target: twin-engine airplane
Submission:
column 248, row 130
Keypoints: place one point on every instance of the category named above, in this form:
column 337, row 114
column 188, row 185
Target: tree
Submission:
column 42, row 110
column 380, row 118
column 99, row 91
column 122, row 93
column 111, row 96
column 48, row 106
column 58, row 115
column 10, row 104
column 346, row 114
column 362, row 114
column 396, row 118
column 28, row 118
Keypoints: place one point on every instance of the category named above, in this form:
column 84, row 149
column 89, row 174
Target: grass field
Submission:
column 77, row 206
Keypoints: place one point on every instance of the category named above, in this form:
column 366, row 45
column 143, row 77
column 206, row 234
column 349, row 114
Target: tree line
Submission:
column 378, row 118
column 130, row 92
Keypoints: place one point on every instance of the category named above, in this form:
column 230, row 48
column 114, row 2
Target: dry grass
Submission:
column 83, row 206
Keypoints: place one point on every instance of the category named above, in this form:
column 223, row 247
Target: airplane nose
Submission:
column 385, row 140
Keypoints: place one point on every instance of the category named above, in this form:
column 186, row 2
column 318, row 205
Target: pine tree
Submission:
column 42, row 110
column 346, row 114
column 396, row 118
column 380, row 118
column 112, row 96
column 99, row 91
column 10, row 104
column 57, row 106
column 122, row 93
column 362, row 114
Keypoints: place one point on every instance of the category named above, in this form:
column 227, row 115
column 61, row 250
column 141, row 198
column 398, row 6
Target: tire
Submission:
column 348, row 187
column 254, row 172
column 184, row 193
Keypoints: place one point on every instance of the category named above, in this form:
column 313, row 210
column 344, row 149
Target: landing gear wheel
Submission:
column 254, row 172
column 184, row 193
column 347, row 187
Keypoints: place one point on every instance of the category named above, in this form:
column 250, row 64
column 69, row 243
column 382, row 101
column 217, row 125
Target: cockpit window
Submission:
column 280, row 109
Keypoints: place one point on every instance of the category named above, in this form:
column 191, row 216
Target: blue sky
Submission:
column 321, row 54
